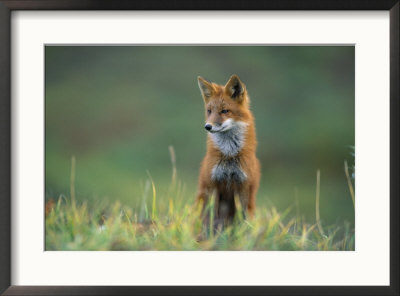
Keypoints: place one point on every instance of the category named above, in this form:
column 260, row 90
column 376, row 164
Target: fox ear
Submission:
column 206, row 88
column 235, row 88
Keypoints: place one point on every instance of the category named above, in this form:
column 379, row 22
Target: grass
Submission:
column 116, row 227
column 173, row 223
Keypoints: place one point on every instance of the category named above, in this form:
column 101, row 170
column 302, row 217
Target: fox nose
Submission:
column 208, row 126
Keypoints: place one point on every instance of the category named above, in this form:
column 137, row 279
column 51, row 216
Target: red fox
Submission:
column 230, row 168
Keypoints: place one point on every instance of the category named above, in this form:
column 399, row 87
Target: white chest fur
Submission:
column 230, row 142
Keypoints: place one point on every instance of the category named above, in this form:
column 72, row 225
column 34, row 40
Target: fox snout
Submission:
column 208, row 127
column 219, row 127
column 213, row 127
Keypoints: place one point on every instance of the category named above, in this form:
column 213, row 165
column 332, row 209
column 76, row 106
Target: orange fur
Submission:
column 232, row 97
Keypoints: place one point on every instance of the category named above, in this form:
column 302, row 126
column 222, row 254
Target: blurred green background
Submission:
column 117, row 109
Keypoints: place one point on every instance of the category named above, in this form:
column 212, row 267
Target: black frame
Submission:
column 6, row 7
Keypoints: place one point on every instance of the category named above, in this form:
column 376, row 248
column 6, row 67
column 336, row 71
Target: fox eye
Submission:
column 209, row 111
column 224, row 111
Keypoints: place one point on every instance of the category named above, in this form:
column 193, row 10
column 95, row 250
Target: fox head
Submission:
column 226, row 106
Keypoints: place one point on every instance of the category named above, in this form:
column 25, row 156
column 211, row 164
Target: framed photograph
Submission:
column 201, row 148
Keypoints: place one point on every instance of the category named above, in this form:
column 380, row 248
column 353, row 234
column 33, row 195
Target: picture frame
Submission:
column 7, row 7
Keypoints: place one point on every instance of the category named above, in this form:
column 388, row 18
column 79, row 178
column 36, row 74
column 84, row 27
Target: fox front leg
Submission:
column 242, row 202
